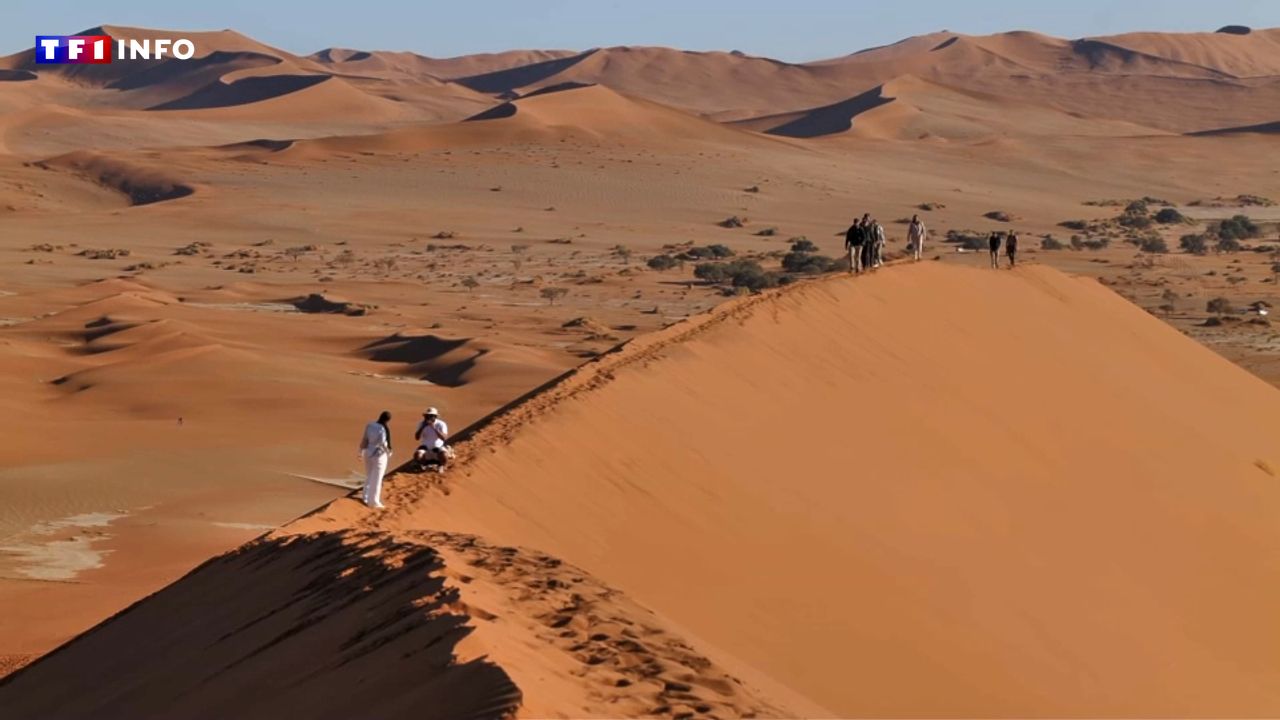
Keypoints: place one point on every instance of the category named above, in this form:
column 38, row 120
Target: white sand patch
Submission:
column 67, row 551
column 244, row 526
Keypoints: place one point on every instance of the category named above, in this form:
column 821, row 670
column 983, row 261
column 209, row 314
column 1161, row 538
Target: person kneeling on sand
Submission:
column 375, row 448
column 915, row 236
column 431, row 436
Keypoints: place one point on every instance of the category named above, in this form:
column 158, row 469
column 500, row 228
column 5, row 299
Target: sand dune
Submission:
column 383, row 63
column 1053, row 538
column 543, row 117
column 141, row 185
column 451, row 362
column 912, row 108
column 1254, row 55
column 970, row 564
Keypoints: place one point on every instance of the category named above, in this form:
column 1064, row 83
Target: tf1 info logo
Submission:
column 97, row 49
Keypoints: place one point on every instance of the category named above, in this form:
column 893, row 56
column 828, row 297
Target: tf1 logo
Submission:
column 97, row 49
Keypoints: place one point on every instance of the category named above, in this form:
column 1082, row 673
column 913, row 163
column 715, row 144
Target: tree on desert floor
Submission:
column 553, row 293
column 470, row 283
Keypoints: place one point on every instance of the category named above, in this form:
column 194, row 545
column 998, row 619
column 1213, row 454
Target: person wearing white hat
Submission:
column 431, row 436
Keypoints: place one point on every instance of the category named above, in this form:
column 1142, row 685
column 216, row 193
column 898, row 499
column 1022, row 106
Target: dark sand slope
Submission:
column 334, row 625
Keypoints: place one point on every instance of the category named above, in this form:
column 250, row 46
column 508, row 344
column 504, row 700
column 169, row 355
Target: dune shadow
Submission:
column 174, row 69
column 242, row 92
column 832, row 119
column 8, row 75
column 501, row 81
column 327, row 625
column 1270, row 128
column 429, row 357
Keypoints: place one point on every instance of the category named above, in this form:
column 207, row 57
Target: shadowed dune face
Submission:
column 832, row 119
column 141, row 185
column 243, row 91
column 340, row 625
column 1014, row 526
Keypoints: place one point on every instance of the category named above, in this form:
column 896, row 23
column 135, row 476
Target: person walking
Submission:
column 1011, row 248
column 993, row 242
column 375, row 448
column 877, row 243
column 853, row 239
column 915, row 237
column 868, row 241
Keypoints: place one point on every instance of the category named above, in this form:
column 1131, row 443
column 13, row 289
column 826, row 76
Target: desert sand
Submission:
column 938, row 490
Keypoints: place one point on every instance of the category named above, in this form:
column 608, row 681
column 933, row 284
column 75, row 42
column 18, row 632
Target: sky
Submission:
column 791, row 30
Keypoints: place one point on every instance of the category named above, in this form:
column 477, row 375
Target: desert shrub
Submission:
column 553, row 293
column 755, row 279
column 1153, row 245
column 967, row 239
column 1194, row 243
column 803, row 245
column 738, row 273
column 1137, row 221
column 1137, row 207
column 1170, row 216
column 707, row 252
column 662, row 262
column 767, row 232
column 1220, row 306
column 930, row 206
column 998, row 216
column 1075, row 224
column 711, row 272
column 1049, row 242
column 732, row 222
column 1227, row 245
column 808, row 264
column 1239, row 227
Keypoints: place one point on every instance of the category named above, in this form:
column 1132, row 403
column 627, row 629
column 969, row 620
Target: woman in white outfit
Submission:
column 375, row 447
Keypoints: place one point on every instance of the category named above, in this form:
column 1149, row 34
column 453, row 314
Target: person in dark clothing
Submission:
column 854, row 239
column 868, row 242
column 993, row 242
column 1011, row 248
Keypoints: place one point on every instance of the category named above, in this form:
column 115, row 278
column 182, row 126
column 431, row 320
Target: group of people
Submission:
column 1010, row 241
column 864, row 241
column 865, row 238
column 375, row 449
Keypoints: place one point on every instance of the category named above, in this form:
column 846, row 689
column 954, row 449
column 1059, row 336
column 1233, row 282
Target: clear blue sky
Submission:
column 794, row 30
